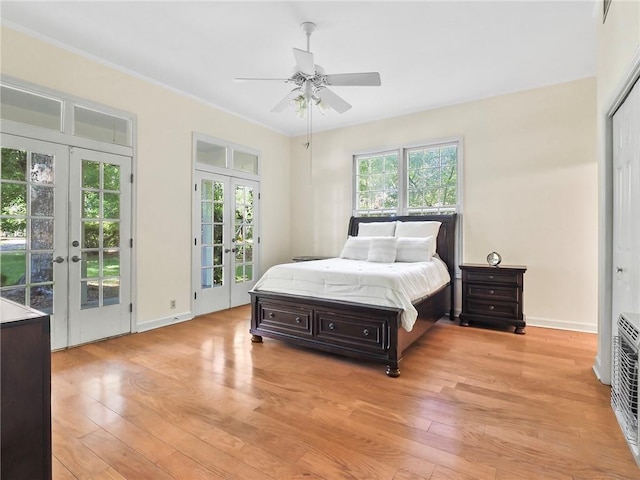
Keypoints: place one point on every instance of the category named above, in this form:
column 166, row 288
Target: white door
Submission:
column 64, row 253
column 33, row 228
column 626, row 207
column 99, row 245
column 225, row 241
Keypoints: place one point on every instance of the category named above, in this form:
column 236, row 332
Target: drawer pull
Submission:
column 366, row 332
column 331, row 326
column 491, row 292
column 271, row 315
column 491, row 307
column 298, row 320
column 490, row 277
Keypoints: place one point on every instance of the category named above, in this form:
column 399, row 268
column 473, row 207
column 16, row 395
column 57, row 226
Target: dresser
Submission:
column 493, row 295
column 25, row 397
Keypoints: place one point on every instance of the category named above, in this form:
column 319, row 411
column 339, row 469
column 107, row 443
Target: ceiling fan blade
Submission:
column 333, row 100
column 367, row 79
column 286, row 100
column 245, row 79
column 304, row 61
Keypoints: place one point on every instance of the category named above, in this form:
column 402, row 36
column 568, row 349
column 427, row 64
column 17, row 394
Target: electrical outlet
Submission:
column 172, row 303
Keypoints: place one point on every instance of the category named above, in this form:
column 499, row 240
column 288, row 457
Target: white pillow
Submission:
column 417, row 229
column 356, row 248
column 376, row 229
column 410, row 249
column 382, row 249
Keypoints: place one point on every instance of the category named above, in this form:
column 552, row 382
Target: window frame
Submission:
column 403, row 201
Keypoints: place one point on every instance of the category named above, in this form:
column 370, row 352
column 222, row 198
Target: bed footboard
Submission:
column 359, row 331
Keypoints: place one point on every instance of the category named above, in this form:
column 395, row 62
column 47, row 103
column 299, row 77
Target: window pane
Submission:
column 207, row 277
column 41, row 298
column 376, row 181
column 432, row 177
column 89, row 294
column 24, row 107
column 101, row 126
column 111, row 266
column 245, row 162
column 211, row 154
column 111, row 205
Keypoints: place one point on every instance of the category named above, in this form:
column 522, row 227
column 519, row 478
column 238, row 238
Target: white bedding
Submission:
column 386, row 284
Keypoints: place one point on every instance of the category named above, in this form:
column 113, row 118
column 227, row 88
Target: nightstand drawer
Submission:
column 494, row 276
column 494, row 309
column 284, row 318
column 491, row 293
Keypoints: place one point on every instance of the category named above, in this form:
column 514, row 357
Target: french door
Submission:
column 226, row 241
column 626, row 207
column 64, row 237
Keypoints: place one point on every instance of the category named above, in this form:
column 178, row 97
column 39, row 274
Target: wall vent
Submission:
column 624, row 379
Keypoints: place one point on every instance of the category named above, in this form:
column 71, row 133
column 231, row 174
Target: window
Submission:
column 408, row 181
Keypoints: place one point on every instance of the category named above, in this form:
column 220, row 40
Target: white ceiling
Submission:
column 428, row 53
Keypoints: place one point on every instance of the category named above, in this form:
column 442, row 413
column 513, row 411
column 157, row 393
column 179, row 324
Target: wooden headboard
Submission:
column 446, row 236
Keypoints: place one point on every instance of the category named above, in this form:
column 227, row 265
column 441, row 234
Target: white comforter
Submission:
column 385, row 284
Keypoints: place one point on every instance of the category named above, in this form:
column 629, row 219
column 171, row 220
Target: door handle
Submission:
column 619, row 269
column 75, row 259
column 58, row 259
column 227, row 250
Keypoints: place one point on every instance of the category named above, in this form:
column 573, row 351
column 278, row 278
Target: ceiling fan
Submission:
column 311, row 81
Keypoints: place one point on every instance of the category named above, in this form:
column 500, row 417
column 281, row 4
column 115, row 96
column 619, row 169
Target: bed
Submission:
column 358, row 329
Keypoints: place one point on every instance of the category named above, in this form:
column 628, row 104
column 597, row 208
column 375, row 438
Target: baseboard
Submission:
column 561, row 324
column 163, row 322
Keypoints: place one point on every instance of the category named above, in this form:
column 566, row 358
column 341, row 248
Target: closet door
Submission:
column 626, row 207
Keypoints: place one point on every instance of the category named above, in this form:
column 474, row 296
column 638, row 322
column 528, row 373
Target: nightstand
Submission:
column 308, row 258
column 493, row 295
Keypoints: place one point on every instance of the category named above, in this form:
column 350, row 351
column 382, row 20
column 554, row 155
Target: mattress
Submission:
column 395, row 284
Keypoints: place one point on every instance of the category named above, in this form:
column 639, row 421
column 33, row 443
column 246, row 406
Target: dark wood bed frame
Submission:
column 356, row 330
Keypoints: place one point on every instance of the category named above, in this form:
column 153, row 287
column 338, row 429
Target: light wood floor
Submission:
column 198, row 401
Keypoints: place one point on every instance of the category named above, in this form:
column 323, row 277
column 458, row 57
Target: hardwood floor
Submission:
column 198, row 400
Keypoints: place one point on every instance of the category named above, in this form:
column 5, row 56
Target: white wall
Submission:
column 530, row 189
column 165, row 122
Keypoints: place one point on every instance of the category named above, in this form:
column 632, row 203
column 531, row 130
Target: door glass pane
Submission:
column 111, row 205
column 207, row 234
column 90, row 234
column 101, row 242
column 207, row 277
column 90, row 174
column 26, row 228
column 41, row 267
column 111, row 234
column 41, row 200
column 89, row 294
column 111, row 177
column 111, row 266
column 91, row 264
column 41, row 234
column 90, row 204
column 111, row 291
